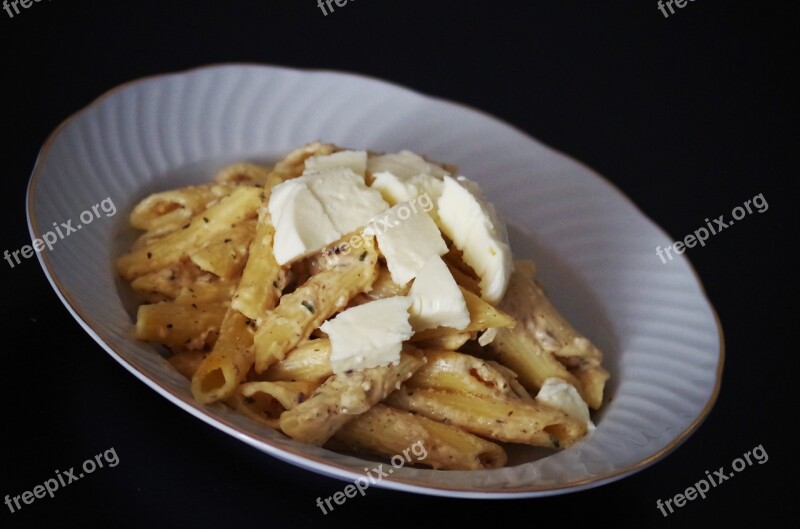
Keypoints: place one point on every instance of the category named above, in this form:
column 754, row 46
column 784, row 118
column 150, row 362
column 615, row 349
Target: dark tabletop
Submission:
column 688, row 114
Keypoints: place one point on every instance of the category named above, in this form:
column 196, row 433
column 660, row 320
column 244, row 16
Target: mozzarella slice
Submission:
column 437, row 300
column 560, row 394
column 356, row 161
column 422, row 189
column 301, row 225
column 403, row 164
column 471, row 222
column 347, row 201
column 407, row 237
column 369, row 335
column 317, row 209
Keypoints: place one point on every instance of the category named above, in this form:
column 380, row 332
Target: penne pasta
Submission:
column 179, row 326
column 511, row 421
column 168, row 283
column 460, row 372
column 518, row 389
column 248, row 332
column 309, row 361
column 167, row 211
column 386, row 431
column 216, row 220
column 302, row 311
column 450, row 341
column 292, row 165
column 248, row 173
column 225, row 254
column 345, row 396
column 262, row 278
column 228, row 363
column 266, row 401
column 544, row 344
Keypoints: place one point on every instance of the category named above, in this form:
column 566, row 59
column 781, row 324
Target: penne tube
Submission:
column 449, row 341
column 225, row 254
column 179, row 326
column 169, row 210
column 544, row 344
column 511, row 421
column 248, row 173
column 259, row 288
column 345, row 396
column 305, row 309
column 386, row 431
column 310, row 361
column 293, row 164
column 228, row 363
column 241, row 204
column 169, row 282
column 517, row 388
column 448, row 370
column 266, row 401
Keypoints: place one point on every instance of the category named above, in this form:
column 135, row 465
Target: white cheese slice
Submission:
column 407, row 237
column 560, row 394
column 356, row 161
column 301, row 225
column 404, row 164
column 347, row 201
column 471, row 222
column 437, row 300
column 369, row 335
column 317, row 209
column 423, row 189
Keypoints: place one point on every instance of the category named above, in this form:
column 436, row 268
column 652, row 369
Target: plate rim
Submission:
column 297, row 457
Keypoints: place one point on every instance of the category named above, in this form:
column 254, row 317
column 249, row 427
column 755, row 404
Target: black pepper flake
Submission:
column 169, row 326
column 194, row 305
column 309, row 306
column 362, row 256
column 555, row 441
column 186, row 225
column 275, row 284
column 262, row 195
column 226, row 241
column 149, row 255
column 205, row 219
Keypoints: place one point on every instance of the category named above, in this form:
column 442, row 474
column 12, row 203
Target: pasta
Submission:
column 314, row 340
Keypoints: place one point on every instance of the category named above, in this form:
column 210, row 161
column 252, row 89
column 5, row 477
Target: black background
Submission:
column 689, row 116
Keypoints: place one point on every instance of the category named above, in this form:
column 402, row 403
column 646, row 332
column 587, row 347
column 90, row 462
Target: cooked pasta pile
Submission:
column 309, row 297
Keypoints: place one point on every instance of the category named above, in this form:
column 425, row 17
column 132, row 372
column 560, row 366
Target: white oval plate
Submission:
column 594, row 249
